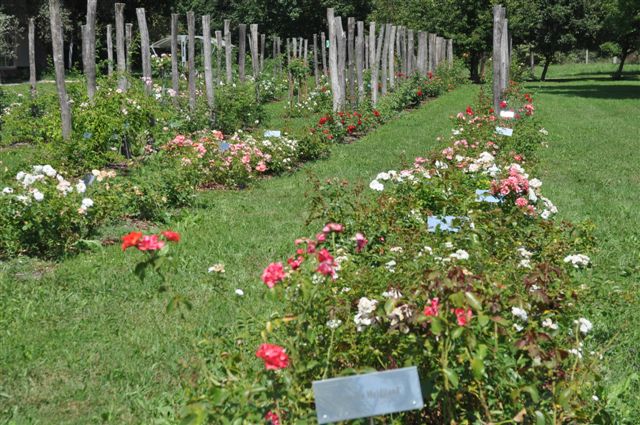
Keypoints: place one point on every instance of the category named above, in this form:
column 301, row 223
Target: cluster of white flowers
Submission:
column 392, row 293
column 584, row 325
column 393, row 176
column 577, row 260
column 485, row 163
column 525, row 262
column 548, row 323
column 366, row 313
column 334, row 323
column 45, row 174
column 460, row 254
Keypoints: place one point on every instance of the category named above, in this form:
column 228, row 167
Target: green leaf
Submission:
column 389, row 306
column 457, row 332
column 477, row 366
column 473, row 301
column 451, row 376
column 533, row 392
column 140, row 270
column 436, row 326
column 539, row 418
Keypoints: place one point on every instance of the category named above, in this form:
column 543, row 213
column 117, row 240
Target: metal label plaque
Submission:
column 371, row 394
column 504, row 131
column 272, row 133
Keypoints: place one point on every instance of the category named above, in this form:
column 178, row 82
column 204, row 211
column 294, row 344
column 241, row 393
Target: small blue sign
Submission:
column 444, row 224
column 272, row 133
column 224, row 146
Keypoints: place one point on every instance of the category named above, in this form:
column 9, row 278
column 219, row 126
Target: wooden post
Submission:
column 315, row 58
column 505, row 56
column 191, row 59
column 242, row 49
column 90, row 51
column 422, row 50
column 372, row 61
column 32, row 57
column 351, row 28
column 333, row 60
column 323, row 49
column 392, row 57
column 294, row 47
column 109, row 49
column 208, row 67
column 306, row 48
column 385, row 58
column 410, row 62
column 70, row 54
column 218, row 57
column 145, row 48
column 58, row 61
column 263, row 41
column 498, row 16
column 342, row 59
column 300, row 46
column 175, row 77
column 376, row 64
column 120, row 54
column 227, row 49
column 128, row 36
column 450, row 51
column 359, row 60
column 366, row 51
column 255, row 60
column 432, row 52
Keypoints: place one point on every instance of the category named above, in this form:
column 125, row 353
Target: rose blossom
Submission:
column 273, row 355
column 273, row 274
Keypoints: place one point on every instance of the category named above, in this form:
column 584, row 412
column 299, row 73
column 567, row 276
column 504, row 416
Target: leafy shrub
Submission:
column 484, row 304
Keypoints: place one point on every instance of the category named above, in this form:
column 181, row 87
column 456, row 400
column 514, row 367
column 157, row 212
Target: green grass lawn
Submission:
column 591, row 171
column 84, row 341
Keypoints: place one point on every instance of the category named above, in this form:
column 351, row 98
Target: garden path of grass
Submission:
column 592, row 171
column 87, row 342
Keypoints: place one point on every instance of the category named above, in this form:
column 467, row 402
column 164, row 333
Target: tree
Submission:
column 622, row 25
column 8, row 28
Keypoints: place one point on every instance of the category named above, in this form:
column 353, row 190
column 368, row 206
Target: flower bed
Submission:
column 484, row 306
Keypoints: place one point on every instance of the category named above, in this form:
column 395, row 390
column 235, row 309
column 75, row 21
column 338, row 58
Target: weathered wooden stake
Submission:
column 191, row 59
column 432, row 52
column 109, row 49
column 145, row 49
column 58, row 61
column 385, row 58
column 263, row 41
column 351, row 28
column 175, row 76
column 208, row 67
column 411, row 64
column 504, row 57
column 128, row 39
column 342, row 59
column 255, row 60
column 32, row 57
column 90, row 61
column 372, row 61
column 315, row 58
column 376, row 64
column 323, row 49
column 306, row 48
column 359, row 60
column 242, row 49
column 218, row 56
column 120, row 53
column 227, row 49
column 392, row 57
column 498, row 16
column 422, row 53
column 333, row 60
column 450, row 51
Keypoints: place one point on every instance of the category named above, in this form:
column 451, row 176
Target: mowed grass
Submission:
column 591, row 170
column 83, row 341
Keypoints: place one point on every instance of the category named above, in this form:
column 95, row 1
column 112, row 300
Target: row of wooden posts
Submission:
column 343, row 56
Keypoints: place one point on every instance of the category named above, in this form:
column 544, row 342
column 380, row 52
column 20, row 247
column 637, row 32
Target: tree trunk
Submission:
column 618, row 74
column 32, row 56
column 323, row 49
column 547, row 62
column 333, row 60
column 315, row 58
column 474, row 62
column 128, row 39
column 218, row 56
column 58, row 61
column 392, row 58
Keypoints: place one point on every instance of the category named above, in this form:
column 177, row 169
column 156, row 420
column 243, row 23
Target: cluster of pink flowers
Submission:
column 516, row 183
column 326, row 263
column 181, row 141
column 463, row 316
column 248, row 156
column 148, row 242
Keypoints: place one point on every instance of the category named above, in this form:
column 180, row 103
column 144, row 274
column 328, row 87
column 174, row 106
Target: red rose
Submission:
column 130, row 239
column 150, row 243
column 273, row 355
column 171, row 236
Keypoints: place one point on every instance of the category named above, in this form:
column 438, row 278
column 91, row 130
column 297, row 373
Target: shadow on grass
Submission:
column 598, row 91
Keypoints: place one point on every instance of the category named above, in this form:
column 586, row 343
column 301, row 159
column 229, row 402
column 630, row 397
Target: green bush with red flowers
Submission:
column 484, row 304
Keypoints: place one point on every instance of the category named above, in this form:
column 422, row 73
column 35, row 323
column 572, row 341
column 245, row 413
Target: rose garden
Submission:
column 240, row 213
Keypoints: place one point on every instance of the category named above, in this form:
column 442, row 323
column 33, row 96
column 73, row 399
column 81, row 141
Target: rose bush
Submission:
column 441, row 267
